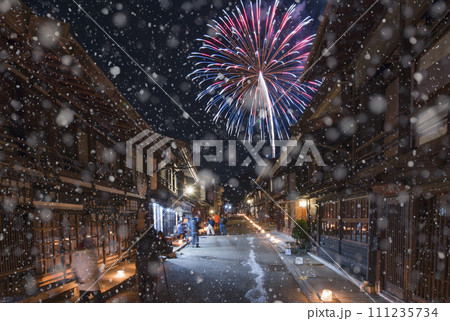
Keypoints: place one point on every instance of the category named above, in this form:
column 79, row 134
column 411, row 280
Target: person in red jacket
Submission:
column 216, row 220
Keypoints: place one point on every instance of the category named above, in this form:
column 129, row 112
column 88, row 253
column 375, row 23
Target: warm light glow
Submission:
column 178, row 242
column 189, row 190
column 327, row 295
column 267, row 235
column 249, row 201
column 120, row 273
column 302, row 203
column 263, row 231
column 211, row 211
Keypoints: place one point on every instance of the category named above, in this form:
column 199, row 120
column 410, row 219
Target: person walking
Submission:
column 210, row 227
column 86, row 271
column 194, row 227
column 181, row 229
column 223, row 222
column 148, row 263
column 216, row 220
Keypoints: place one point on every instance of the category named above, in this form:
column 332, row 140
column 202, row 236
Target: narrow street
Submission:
column 319, row 129
column 239, row 267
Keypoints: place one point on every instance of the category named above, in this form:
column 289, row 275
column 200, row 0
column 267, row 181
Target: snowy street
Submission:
column 316, row 132
column 239, row 267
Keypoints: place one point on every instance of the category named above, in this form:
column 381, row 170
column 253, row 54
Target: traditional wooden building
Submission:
column 67, row 167
column 285, row 205
column 380, row 206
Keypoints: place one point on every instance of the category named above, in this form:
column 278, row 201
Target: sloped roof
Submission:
column 43, row 53
column 341, row 34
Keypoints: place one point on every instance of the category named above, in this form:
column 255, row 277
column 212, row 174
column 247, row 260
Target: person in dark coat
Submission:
column 148, row 262
column 181, row 229
column 194, row 226
column 222, row 223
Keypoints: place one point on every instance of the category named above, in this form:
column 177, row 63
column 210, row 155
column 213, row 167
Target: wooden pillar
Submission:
column 372, row 243
column 340, row 227
column 410, row 238
column 92, row 157
column 405, row 67
column 318, row 226
column 104, row 240
column 349, row 102
column 308, row 217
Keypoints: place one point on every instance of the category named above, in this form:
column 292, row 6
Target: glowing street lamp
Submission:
column 189, row 190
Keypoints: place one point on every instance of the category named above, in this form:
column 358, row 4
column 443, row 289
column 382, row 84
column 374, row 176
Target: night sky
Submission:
column 160, row 35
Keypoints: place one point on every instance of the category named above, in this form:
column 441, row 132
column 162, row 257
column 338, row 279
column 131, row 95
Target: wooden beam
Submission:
column 58, row 206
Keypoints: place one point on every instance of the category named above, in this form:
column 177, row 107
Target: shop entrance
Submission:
column 395, row 247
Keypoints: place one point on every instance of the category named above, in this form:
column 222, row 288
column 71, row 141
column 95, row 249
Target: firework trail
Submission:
column 251, row 67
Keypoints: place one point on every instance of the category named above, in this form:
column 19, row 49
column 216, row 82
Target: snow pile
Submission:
column 257, row 294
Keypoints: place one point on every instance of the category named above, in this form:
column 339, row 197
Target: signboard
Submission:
column 141, row 184
column 101, row 212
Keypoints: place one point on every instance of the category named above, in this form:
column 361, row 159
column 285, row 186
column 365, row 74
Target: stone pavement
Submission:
column 312, row 277
column 316, row 274
column 239, row 267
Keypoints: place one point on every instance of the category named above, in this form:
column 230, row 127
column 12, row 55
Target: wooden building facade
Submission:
column 380, row 206
column 64, row 129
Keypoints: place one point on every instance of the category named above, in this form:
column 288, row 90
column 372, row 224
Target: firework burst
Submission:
column 252, row 67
